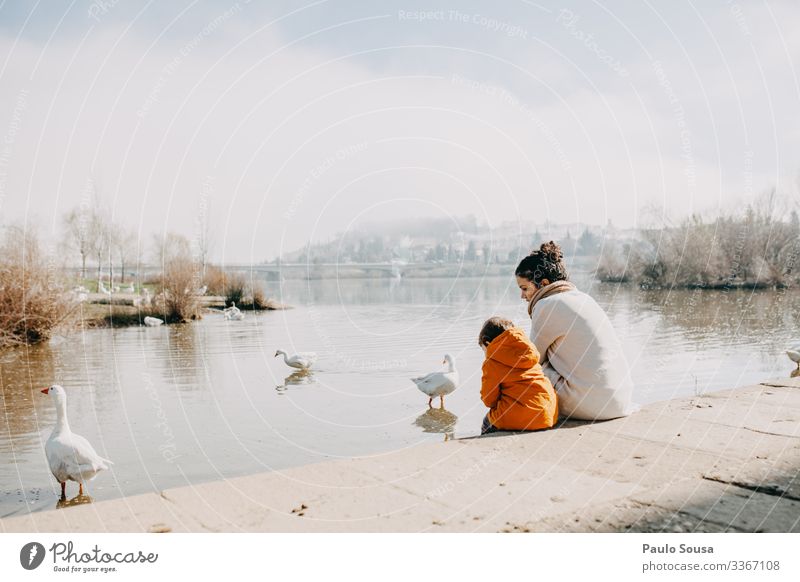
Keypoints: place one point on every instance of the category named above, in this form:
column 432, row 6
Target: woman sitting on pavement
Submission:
column 580, row 351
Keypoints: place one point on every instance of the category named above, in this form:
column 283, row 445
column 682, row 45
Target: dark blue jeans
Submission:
column 487, row 427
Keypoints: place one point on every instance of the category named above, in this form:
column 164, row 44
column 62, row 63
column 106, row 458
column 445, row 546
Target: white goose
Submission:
column 233, row 313
column 301, row 360
column 439, row 383
column 794, row 354
column 70, row 456
column 152, row 321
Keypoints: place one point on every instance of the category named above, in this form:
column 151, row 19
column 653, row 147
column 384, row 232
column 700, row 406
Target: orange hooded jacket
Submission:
column 514, row 387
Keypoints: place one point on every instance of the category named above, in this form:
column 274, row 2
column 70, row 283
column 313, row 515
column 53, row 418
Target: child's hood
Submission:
column 513, row 348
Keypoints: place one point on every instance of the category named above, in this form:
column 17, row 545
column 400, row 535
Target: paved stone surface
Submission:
column 727, row 461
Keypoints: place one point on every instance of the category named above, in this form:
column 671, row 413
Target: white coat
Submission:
column 582, row 357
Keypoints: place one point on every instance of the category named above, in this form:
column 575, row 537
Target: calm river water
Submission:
column 203, row 401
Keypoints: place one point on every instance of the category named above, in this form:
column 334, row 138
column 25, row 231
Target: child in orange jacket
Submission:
column 519, row 395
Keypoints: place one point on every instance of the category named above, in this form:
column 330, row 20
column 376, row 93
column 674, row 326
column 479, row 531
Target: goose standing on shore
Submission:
column 70, row 456
column 439, row 383
column 301, row 360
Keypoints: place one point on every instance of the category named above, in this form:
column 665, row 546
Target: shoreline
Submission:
column 121, row 311
column 724, row 461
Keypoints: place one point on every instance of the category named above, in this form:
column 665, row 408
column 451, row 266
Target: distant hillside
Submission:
column 460, row 240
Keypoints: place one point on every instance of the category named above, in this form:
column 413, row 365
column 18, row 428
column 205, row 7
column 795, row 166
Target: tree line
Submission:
column 756, row 248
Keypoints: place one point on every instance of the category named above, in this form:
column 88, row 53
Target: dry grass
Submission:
column 177, row 300
column 235, row 285
column 215, row 281
column 758, row 248
column 33, row 301
column 236, row 288
column 613, row 264
column 259, row 299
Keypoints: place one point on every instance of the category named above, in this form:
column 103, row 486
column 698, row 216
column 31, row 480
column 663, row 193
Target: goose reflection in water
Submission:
column 77, row 500
column 296, row 379
column 437, row 420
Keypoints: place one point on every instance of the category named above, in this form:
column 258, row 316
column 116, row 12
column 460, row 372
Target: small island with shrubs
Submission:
column 756, row 249
column 40, row 294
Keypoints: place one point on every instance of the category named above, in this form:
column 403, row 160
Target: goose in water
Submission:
column 70, row 456
column 152, row 321
column 301, row 360
column 794, row 354
column 439, row 383
column 233, row 313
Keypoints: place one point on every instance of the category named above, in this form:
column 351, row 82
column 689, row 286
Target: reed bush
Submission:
column 754, row 249
column 33, row 298
column 177, row 298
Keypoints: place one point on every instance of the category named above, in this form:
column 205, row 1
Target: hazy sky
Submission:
column 290, row 121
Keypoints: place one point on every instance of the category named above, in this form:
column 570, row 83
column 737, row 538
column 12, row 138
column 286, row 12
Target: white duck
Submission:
column 70, row 456
column 300, row 360
column 233, row 313
column 152, row 321
column 794, row 354
column 439, row 383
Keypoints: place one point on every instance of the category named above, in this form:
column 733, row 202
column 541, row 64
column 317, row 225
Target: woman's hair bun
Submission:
column 546, row 263
column 552, row 251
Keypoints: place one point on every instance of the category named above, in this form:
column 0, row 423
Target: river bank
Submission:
column 98, row 311
column 725, row 461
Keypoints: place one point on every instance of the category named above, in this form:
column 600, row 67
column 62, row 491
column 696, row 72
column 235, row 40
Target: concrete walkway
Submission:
column 727, row 461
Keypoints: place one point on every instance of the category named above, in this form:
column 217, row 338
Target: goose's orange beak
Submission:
column 45, row 390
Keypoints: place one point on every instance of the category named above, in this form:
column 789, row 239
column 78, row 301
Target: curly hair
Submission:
column 546, row 263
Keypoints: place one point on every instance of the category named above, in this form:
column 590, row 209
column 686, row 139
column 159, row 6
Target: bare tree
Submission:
column 100, row 240
column 126, row 248
column 77, row 224
column 204, row 238
column 169, row 246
